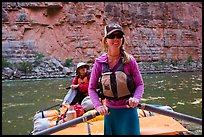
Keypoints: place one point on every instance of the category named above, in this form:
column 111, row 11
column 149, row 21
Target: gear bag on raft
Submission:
column 49, row 118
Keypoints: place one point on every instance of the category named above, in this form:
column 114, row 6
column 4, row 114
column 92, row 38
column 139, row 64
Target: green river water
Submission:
column 22, row 98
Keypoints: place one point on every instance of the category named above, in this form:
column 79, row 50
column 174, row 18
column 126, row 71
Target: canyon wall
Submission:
column 73, row 30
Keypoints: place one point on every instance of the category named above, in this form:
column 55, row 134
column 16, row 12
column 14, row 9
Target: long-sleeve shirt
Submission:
column 129, row 68
column 83, row 87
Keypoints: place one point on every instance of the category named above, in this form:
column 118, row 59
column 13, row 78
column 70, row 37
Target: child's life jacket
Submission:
column 116, row 85
column 83, row 81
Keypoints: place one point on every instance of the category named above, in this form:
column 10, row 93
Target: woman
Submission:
column 111, row 70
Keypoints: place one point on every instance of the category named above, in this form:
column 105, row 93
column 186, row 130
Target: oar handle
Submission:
column 139, row 105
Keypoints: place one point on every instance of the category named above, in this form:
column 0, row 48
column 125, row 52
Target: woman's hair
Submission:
column 126, row 56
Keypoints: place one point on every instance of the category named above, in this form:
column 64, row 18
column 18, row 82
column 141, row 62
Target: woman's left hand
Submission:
column 133, row 102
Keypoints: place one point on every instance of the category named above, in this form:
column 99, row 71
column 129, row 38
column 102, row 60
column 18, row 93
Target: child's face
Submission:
column 82, row 70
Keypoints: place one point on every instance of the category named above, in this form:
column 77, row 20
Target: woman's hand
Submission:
column 103, row 110
column 133, row 102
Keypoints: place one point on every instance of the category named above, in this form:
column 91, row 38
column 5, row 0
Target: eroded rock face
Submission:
column 74, row 30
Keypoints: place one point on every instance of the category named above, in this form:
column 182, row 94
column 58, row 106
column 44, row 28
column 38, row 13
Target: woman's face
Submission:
column 114, row 40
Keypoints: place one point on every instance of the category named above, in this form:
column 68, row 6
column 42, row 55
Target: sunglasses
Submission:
column 112, row 36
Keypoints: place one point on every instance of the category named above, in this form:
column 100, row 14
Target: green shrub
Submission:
column 189, row 60
column 5, row 63
column 68, row 62
column 25, row 67
column 38, row 56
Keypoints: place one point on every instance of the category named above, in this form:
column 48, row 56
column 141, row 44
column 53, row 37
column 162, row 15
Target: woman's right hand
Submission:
column 103, row 110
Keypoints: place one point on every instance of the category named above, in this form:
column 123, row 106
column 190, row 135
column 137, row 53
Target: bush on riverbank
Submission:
column 5, row 63
column 26, row 67
column 68, row 62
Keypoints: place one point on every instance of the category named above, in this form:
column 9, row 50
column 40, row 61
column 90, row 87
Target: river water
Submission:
column 22, row 98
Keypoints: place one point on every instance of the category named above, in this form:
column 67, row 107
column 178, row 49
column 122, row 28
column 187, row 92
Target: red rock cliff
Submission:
column 73, row 30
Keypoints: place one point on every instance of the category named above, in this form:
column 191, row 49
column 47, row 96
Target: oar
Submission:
column 53, row 105
column 67, row 124
column 170, row 113
column 67, row 87
column 49, row 108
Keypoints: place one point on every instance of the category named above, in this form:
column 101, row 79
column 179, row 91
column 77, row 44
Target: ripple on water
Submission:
column 10, row 105
column 20, row 117
column 197, row 101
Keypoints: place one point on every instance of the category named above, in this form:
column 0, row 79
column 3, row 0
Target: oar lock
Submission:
column 94, row 114
column 84, row 119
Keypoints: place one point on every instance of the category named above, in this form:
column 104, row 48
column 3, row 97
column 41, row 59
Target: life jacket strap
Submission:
column 113, row 85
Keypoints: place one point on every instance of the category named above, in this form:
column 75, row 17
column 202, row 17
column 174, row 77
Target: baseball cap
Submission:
column 112, row 28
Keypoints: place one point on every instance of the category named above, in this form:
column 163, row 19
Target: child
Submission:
column 79, row 87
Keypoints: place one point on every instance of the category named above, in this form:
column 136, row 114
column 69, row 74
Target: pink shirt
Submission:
column 96, row 72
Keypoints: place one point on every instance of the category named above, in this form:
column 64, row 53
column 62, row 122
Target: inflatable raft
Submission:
column 91, row 124
column 150, row 124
